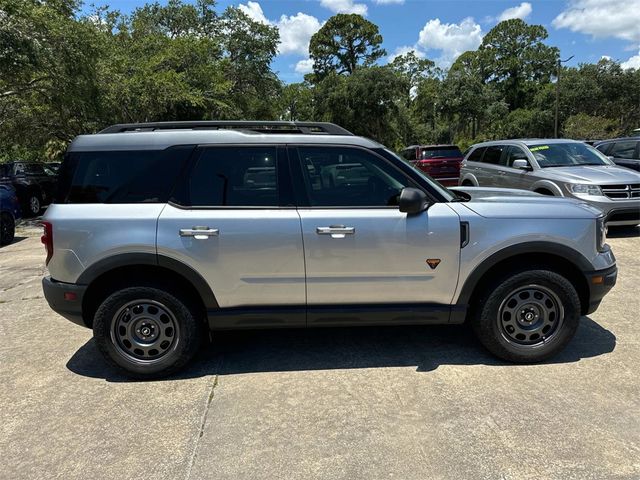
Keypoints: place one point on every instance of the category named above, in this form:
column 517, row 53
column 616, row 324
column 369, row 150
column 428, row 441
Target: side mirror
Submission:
column 521, row 164
column 413, row 201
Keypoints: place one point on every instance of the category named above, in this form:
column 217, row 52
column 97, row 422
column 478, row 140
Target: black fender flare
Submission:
column 105, row 265
column 548, row 248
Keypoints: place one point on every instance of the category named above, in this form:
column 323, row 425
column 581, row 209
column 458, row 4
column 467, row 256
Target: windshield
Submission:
column 436, row 185
column 567, row 155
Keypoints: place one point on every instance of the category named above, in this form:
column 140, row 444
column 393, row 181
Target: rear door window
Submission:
column 233, row 176
column 143, row 176
column 476, row 155
column 493, row 154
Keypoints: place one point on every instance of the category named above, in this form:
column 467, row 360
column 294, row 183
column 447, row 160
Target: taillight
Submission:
column 47, row 240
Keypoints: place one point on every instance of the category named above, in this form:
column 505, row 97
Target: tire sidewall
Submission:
column 491, row 335
column 185, row 346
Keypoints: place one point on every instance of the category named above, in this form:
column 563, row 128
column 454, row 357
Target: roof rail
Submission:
column 255, row 126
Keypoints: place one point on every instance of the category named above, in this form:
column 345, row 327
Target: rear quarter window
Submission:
column 145, row 176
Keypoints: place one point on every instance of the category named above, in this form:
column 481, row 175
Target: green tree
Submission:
column 366, row 102
column 249, row 50
column 587, row 127
column 513, row 56
column 344, row 43
column 297, row 102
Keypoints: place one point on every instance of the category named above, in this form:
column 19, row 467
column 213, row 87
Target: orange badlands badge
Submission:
column 433, row 262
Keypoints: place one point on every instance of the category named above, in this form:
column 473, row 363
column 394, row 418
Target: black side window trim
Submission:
column 178, row 198
column 302, row 195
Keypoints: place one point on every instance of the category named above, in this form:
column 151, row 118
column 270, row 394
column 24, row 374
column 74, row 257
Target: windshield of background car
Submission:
column 567, row 155
column 442, row 152
column 436, row 185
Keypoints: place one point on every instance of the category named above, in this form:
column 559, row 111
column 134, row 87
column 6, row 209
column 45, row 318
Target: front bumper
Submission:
column 617, row 212
column 65, row 299
column 600, row 282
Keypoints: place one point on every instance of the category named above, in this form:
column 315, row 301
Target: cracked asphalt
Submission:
column 404, row 402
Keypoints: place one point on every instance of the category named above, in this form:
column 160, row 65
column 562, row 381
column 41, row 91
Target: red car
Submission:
column 440, row 162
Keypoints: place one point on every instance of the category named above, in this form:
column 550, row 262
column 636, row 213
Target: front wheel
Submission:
column 527, row 317
column 146, row 332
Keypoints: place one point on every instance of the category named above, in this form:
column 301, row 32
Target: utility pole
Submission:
column 558, row 68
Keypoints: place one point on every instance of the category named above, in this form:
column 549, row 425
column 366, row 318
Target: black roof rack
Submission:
column 255, row 126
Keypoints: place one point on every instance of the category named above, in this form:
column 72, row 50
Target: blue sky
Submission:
column 441, row 30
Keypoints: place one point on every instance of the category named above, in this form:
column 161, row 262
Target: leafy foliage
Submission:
column 63, row 74
column 344, row 43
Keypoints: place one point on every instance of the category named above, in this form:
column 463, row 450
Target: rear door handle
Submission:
column 336, row 231
column 501, row 172
column 199, row 233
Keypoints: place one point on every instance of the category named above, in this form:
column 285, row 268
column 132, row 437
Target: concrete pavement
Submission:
column 372, row 403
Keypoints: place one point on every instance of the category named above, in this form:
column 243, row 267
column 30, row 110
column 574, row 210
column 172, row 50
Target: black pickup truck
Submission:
column 34, row 184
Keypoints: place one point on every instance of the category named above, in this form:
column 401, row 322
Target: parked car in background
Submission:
column 440, row 162
column 34, row 186
column 52, row 168
column 9, row 213
column 563, row 168
column 623, row 151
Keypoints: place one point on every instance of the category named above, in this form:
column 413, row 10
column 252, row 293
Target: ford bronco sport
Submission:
column 161, row 231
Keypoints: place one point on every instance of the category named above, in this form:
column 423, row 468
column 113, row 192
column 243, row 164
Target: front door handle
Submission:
column 501, row 172
column 336, row 231
column 199, row 233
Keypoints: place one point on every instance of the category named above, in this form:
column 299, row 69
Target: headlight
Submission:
column 601, row 234
column 582, row 189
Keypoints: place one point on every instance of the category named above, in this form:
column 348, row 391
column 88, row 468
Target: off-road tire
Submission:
column 491, row 304
column 187, row 332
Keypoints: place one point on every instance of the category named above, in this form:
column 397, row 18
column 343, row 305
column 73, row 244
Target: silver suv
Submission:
column 163, row 231
column 563, row 168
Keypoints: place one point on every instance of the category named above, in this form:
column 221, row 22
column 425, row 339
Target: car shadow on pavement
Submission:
column 16, row 240
column 423, row 347
column 623, row 232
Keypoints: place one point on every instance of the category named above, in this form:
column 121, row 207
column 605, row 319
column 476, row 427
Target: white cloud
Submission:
column 254, row 11
column 344, row 6
column 304, row 66
column 602, row 18
column 451, row 38
column 295, row 30
column 403, row 51
column 521, row 11
column 633, row 62
column 388, row 2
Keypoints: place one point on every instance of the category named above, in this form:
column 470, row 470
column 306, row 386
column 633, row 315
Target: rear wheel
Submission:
column 33, row 205
column 7, row 229
column 146, row 332
column 527, row 317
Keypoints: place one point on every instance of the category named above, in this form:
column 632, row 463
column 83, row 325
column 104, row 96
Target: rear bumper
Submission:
column 600, row 282
column 65, row 299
